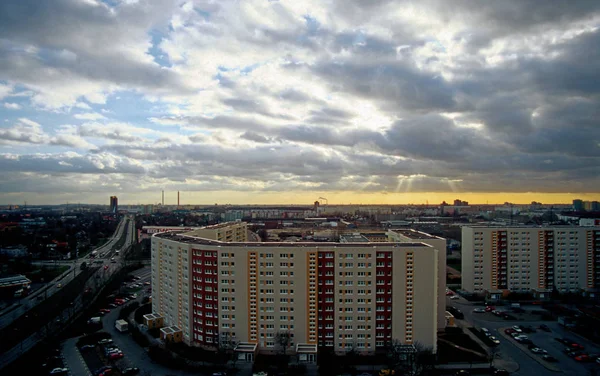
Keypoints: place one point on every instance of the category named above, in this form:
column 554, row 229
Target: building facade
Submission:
column 530, row 259
column 345, row 296
column 114, row 204
column 410, row 235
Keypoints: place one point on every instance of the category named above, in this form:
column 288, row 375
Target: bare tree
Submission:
column 402, row 357
column 283, row 339
column 227, row 344
column 424, row 359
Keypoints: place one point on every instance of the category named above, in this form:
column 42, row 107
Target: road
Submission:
column 508, row 350
column 7, row 315
column 68, row 313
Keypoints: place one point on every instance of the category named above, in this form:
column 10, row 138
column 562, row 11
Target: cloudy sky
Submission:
column 287, row 101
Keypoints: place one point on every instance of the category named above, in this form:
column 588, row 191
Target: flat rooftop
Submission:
column 183, row 238
column 221, row 225
column 415, row 234
column 353, row 238
column 170, row 330
column 13, row 280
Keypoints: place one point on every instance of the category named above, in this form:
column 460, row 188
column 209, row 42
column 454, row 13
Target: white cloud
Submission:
column 5, row 90
column 12, row 106
column 89, row 116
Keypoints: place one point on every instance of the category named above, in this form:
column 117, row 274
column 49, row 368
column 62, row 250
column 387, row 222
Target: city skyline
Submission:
column 308, row 198
column 386, row 102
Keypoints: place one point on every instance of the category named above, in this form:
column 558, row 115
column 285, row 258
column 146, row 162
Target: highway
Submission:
column 105, row 252
column 69, row 312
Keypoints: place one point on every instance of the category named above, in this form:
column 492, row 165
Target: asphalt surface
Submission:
column 53, row 286
column 510, row 351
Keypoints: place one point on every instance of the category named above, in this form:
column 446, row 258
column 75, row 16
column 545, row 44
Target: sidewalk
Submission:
column 73, row 359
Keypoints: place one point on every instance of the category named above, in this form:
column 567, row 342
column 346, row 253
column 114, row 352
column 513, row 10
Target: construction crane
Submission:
column 323, row 198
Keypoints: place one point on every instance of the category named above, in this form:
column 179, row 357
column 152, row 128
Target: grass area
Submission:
column 119, row 244
column 46, row 273
column 100, row 242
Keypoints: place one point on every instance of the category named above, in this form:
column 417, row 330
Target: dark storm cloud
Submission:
column 397, row 85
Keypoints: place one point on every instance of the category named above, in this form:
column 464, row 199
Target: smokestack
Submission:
column 177, row 198
column 163, row 198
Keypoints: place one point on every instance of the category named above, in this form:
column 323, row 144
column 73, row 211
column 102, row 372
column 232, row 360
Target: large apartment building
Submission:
column 410, row 235
column 497, row 260
column 343, row 295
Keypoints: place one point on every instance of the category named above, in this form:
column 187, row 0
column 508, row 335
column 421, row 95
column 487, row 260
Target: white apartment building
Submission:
column 410, row 235
column 343, row 295
column 498, row 260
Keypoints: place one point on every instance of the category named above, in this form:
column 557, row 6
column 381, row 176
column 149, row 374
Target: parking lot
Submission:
column 108, row 348
column 519, row 352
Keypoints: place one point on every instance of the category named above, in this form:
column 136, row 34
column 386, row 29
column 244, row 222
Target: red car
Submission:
column 118, row 355
column 584, row 358
column 119, row 302
column 576, row 346
column 104, row 310
column 509, row 331
column 490, row 308
column 105, row 267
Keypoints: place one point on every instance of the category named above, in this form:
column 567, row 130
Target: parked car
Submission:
column 105, row 310
column 549, row 358
column 114, row 356
column 537, row 350
column 509, row 331
column 146, row 283
column 584, row 358
column 494, row 340
column 517, row 329
column 490, row 308
column 130, row 371
column 113, row 305
column 105, row 341
column 545, row 328
column 59, row 371
column 454, row 297
column 479, row 310
column 87, row 347
column 102, row 370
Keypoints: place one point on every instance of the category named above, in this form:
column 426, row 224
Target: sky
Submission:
column 287, row 101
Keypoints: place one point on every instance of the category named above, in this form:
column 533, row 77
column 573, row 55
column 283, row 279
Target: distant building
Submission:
column 578, row 205
column 114, row 204
column 500, row 259
column 591, row 206
column 14, row 286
